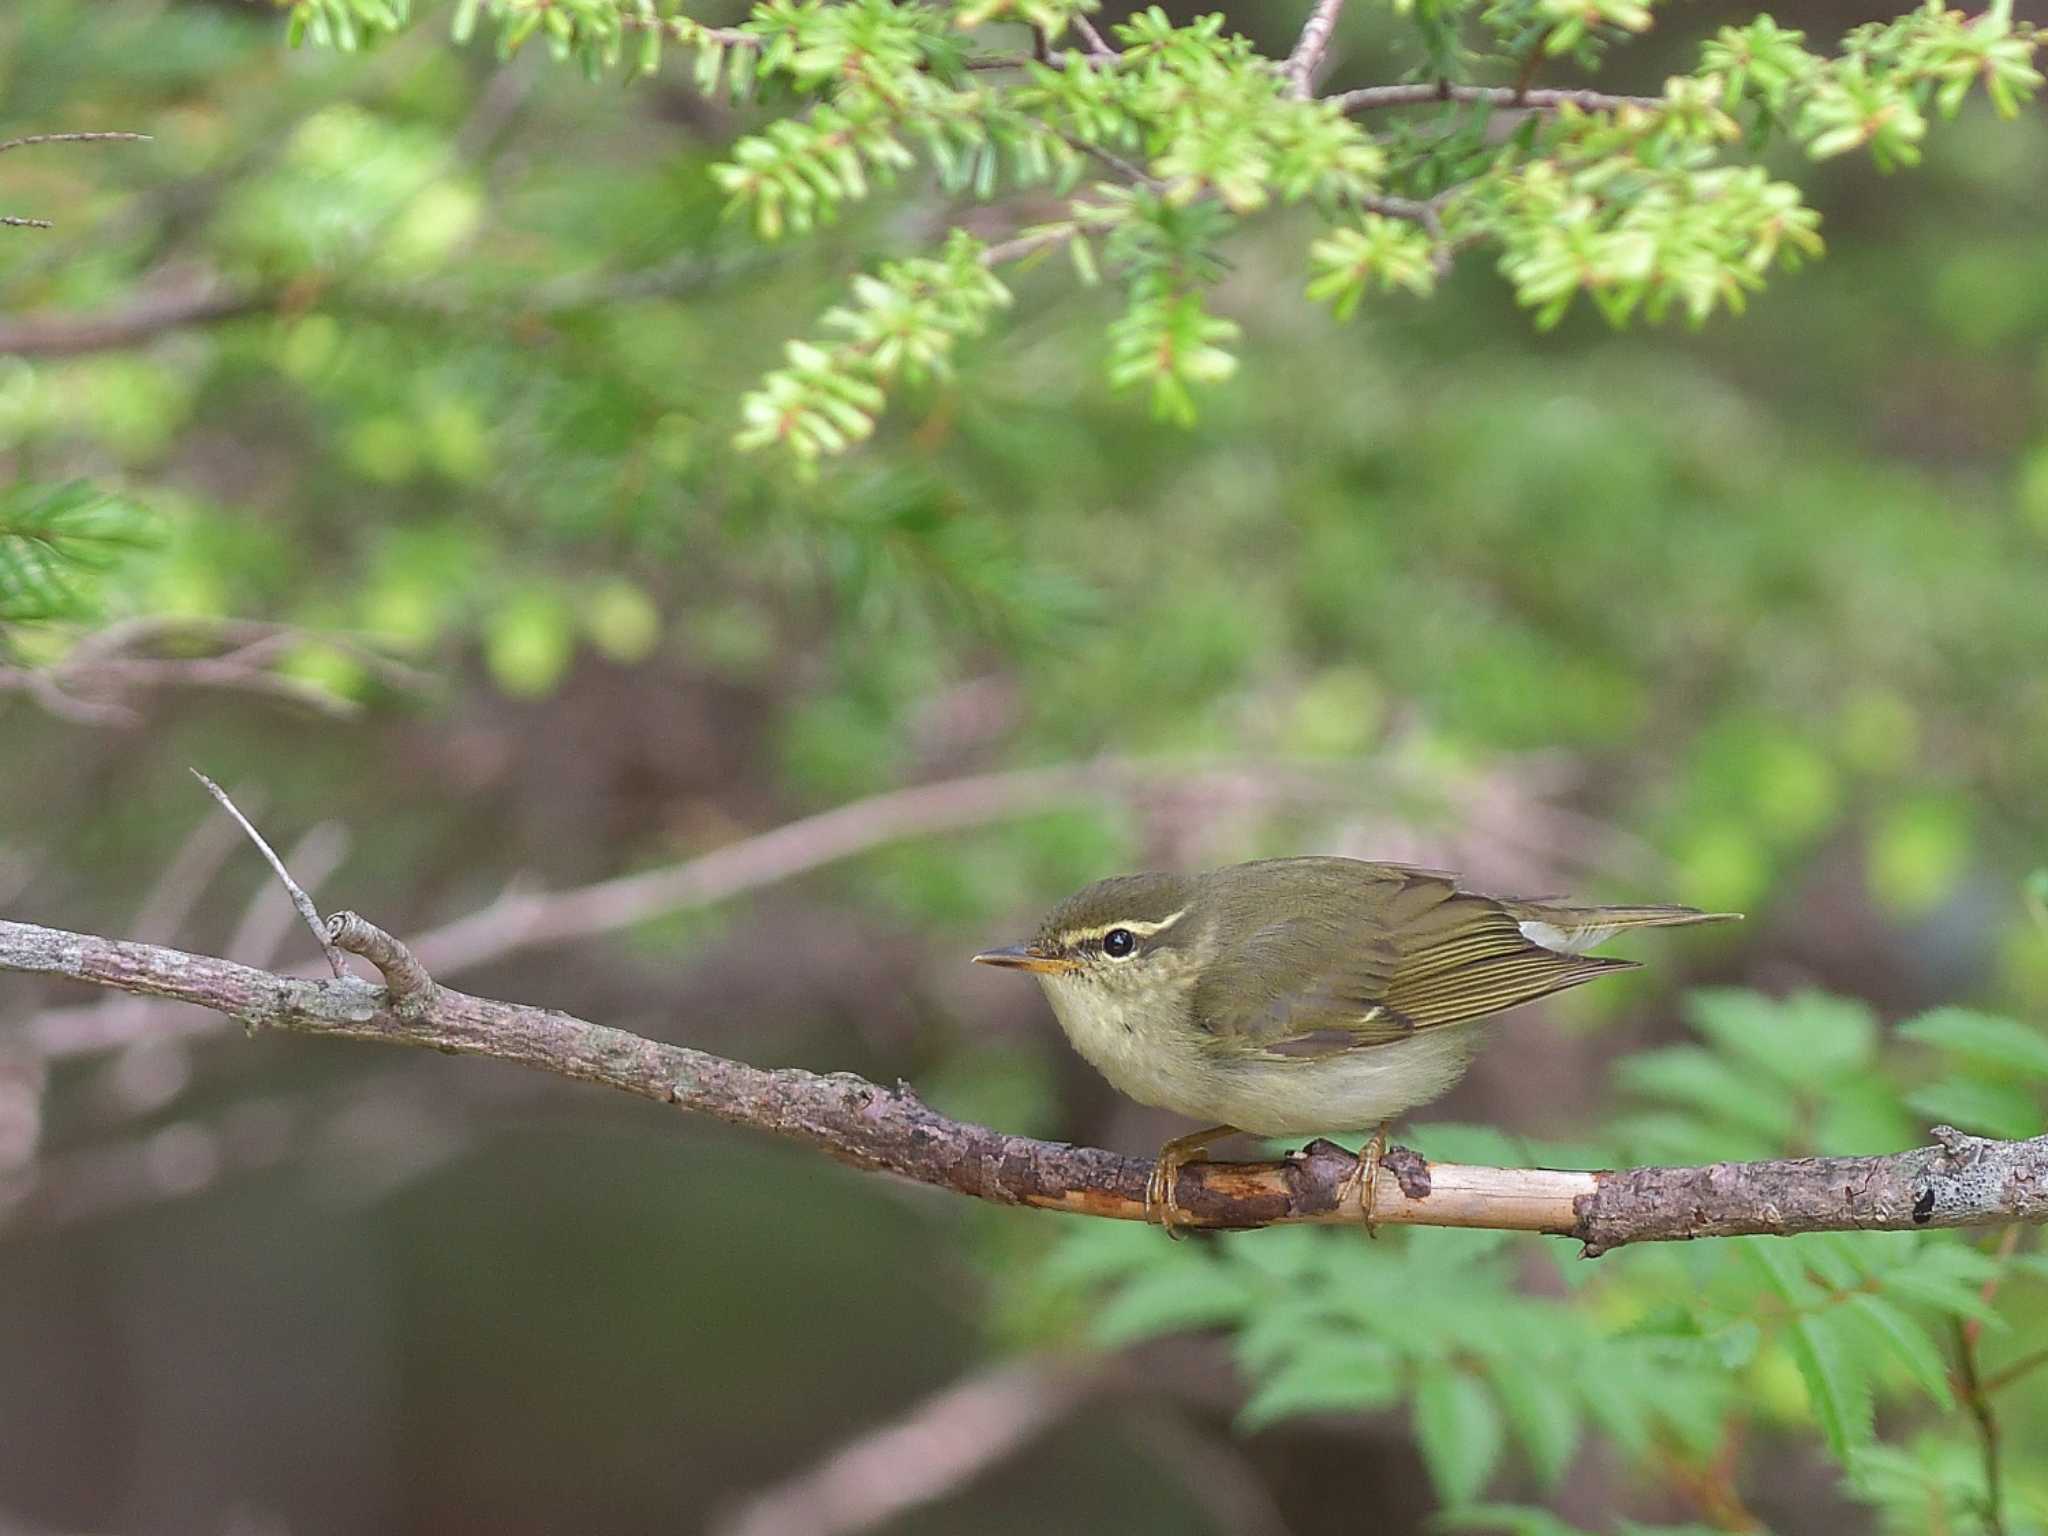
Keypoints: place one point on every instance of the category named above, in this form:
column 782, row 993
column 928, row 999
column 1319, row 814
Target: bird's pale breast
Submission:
column 1157, row 1056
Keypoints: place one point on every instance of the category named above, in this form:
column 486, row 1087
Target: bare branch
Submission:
column 72, row 138
column 1100, row 49
column 188, row 876
column 1963, row 1181
column 688, row 32
column 519, row 920
column 1373, row 98
column 1312, row 46
column 64, row 335
column 1044, row 238
column 17, row 222
column 266, row 921
column 1130, row 170
column 943, row 1442
column 300, row 899
column 92, row 683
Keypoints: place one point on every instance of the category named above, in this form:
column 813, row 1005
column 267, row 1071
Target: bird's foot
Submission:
column 1162, row 1201
column 1361, row 1185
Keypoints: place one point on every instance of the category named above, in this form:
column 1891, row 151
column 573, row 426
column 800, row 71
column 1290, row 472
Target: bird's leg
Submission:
column 1362, row 1184
column 1161, row 1188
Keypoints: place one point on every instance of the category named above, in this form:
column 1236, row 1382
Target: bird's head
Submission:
column 1113, row 933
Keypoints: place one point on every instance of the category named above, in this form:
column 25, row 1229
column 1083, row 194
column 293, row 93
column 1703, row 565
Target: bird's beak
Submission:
column 1024, row 957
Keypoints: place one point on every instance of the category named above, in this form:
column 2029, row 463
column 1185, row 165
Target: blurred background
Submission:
column 412, row 346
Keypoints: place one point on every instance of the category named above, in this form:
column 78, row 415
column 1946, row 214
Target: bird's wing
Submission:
column 1365, row 965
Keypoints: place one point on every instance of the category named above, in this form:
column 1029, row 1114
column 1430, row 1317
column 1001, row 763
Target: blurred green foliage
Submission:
column 1673, row 1354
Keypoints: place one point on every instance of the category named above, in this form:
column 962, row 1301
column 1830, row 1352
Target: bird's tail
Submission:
column 1573, row 930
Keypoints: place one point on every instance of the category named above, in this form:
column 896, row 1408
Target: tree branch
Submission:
column 72, row 138
column 304, row 903
column 523, row 918
column 18, row 222
column 60, row 335
column 1962, row 1181
column 520, row 919
column 1312, row 46
column 93, row 682
column 1373, row 98
column 1100, row 49
column 942, row 1443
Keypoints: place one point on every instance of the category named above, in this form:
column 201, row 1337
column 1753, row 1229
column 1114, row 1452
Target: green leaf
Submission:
column 1508, row 1519
column 1458, row 1428
column 1543, row 1412
column 1342, row 1374
column 1980, row 1105
column 1986, row 1036
column 1171, row 1299
column 1836, row 1388
column 53, row 539
column 1686, row 1074
column 1903, row 1340
column 1775, row 1259
column 1802, row 1039
column 1947, row 1274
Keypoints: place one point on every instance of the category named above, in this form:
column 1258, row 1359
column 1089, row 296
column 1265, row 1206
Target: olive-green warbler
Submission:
column 1290, row 996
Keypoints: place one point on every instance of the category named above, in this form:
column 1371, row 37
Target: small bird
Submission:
column 1290, row 996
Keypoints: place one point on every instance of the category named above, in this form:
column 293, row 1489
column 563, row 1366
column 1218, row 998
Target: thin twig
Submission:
column 187, row 877
column 1130, row 170
column 14, row 221
column 1372, row 98
column 1533, row 61
column 683, row 30
column 1976, row 1395
column 920, row 810
column 1100, row 49
column 1030, row 244
column 265, row 921
column 1426, row 212
column 1977, row 1400
column 89, row 683
column 1961, row 1181
column 2025, row 1366
column 65, row 335
column 300, row 899
column 1312, row 46
column 72, row 138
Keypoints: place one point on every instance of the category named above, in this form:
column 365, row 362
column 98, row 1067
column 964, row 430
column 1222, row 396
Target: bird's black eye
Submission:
column 1118, row 942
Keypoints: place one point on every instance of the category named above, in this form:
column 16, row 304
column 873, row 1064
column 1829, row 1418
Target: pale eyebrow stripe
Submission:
column 1139, row 928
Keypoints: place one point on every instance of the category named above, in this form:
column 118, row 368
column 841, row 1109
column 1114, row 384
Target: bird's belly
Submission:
column 1202, row 1077
column 1347, row 1091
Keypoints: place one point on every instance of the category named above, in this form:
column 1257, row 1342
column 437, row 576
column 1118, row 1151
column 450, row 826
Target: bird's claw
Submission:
column 1162, row 1189
column 1361, row 1185
column 1162, row 1202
